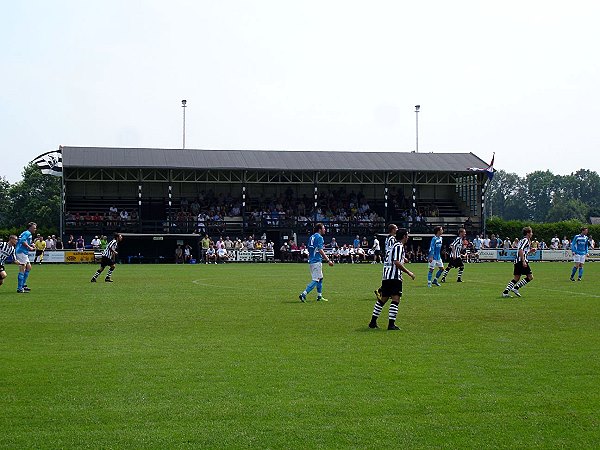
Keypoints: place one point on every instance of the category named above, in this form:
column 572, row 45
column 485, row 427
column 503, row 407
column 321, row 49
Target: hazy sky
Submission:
column 519, row 78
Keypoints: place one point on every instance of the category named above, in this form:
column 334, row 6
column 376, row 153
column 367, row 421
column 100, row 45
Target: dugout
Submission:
column 276, row 193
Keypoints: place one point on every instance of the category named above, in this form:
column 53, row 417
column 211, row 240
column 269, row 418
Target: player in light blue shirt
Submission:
column 579, row 246
column 435, row 257
column 24, row 246
column 316, row 254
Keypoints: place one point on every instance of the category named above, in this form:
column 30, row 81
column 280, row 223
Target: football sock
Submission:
column 377, row 309
column 509, row 286
column 580, row 272
column 393, row 312
column 460, row 272
column 320, row 287
column 25, row 276
column 310, row 287
column 20, row 282
column 429, row 275
column 573, row 271
column 109, row 273
column 521, row 283
column 96, row 275
column 446, row 272
column 437, row 275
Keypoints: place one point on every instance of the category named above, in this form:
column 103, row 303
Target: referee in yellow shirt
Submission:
column 40, row 247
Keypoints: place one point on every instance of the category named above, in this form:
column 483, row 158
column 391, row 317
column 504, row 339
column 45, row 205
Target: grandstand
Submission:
column 172, row 195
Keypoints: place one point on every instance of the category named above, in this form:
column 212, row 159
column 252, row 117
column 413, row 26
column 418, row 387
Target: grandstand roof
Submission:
column 96, row 157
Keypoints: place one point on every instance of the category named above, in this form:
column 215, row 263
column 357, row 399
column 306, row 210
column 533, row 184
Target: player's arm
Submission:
column 522, row 256
column 431, row 250
column 325, row 257
column 400, row 265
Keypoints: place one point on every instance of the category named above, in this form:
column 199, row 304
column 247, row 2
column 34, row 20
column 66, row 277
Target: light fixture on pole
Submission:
column 183, row 105
column 417, row 107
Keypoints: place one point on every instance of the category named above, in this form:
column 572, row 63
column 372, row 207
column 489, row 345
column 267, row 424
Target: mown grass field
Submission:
column 227, row 357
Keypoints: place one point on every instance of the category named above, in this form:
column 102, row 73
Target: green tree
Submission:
column 36, row 198
column 540, row 192
column 5, row 202
column 567, row 210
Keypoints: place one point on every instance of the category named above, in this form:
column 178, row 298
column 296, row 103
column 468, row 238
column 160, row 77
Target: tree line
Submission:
column 542, row 196
column 36, row 198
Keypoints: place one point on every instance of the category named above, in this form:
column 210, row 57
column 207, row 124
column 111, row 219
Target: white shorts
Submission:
column 316, row 271
column 22, row 258
column 436, row 263
column 578, row 258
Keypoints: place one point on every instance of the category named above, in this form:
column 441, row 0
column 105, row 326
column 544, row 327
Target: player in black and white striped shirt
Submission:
column 455, row 256
column 391, row 284
column 521, row 267
column 109, row 257
column 7, row 250
column 389, row 242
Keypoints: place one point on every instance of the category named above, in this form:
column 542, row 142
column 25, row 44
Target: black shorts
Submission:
column 106, row 262
column 391, row 287
column 522, row 270
column 39, row 252
column 377, row 252
column 456, row 263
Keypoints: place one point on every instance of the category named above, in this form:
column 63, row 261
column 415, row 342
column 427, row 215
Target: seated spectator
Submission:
column 124, row 215
column 187, row 253
column 211, row 255
column 222, row 255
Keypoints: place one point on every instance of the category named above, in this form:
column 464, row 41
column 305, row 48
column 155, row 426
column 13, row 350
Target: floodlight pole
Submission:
column 183, row 105
column 417, row 107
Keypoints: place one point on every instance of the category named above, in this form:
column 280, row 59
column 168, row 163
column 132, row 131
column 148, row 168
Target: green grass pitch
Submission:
column 227, row 357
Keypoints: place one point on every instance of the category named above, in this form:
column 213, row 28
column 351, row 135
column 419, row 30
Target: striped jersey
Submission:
column 524, row 245
column 108, row 251
column 389, row 241
column 393, row 253
column 6, row 251
column 455, row 248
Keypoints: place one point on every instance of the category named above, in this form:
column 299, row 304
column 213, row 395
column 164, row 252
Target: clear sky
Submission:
column 518, row 78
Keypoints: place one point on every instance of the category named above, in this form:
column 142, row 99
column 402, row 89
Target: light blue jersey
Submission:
column 25, row 237
column 435, row 248
column 315, row 243
column 580, row 244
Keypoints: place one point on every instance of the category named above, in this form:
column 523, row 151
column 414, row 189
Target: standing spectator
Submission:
column 80, row 244
column 205, row 245
column 555, row 242
column 59, row 244
column 376, row 251
column 95, row 243
column 356, row 243
column 179, row 255
column 477, row 243
column 71, row 243
column 566, row 244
